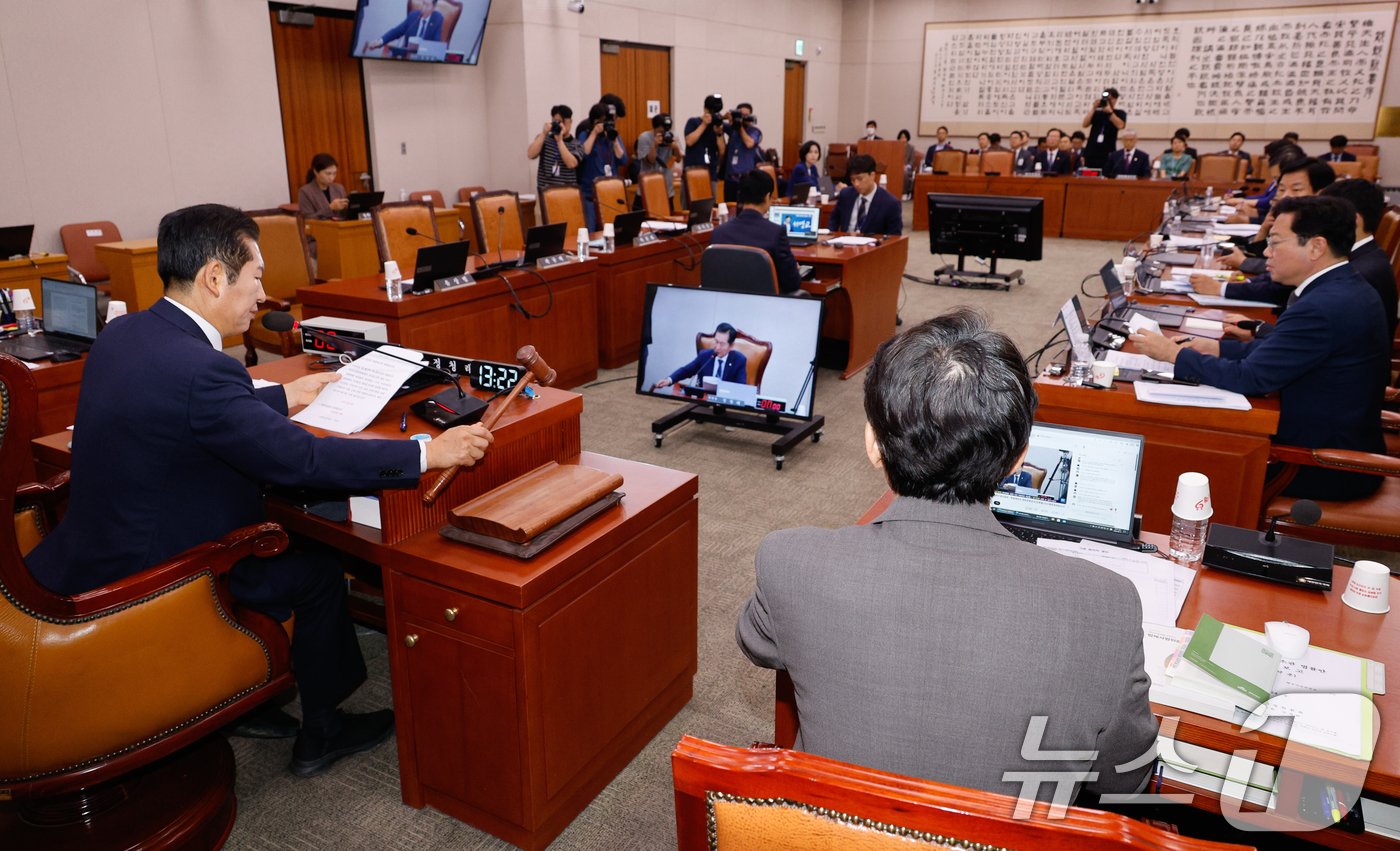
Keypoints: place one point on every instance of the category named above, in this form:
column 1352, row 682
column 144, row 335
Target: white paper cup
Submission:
column 22, row 299
column 1368, row 589
column 825, row 198
column 1192, row 497
column 1155, row 240
column 391, row 269
column 608, row 231
column 116, row 307
column 1103, row 373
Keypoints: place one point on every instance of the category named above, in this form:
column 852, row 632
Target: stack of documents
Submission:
column 1222, row 301
column 1245, row 229
column 1161, row 585
column 663, row 226
column 1188, row 396
column 366, row 384
column 1126, row 360
column 851, row 240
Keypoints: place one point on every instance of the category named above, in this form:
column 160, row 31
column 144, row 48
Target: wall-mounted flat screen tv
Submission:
column 445, row 31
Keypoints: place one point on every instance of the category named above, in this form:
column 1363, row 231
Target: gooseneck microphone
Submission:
column 418, row 233
column 500, row 230
column 281, row 321
column 1304, row 512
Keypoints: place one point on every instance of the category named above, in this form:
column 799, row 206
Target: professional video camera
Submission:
column 610, row 123
column 556, row 127
column 667, row 137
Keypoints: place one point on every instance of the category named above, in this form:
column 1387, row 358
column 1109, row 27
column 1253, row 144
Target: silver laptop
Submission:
column 1076, row 483
column 801, row 223
column 70, row 323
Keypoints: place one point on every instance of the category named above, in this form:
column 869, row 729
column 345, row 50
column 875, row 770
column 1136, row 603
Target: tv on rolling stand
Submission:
column 991, row 226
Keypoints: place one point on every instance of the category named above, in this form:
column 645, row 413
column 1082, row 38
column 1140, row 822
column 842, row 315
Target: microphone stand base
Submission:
column 1292, row 561
column 446, row 409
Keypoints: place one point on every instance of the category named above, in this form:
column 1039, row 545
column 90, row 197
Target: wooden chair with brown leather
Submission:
column 1219, row 168
column 80, row 242
column 838, row 158
column 465, row 193
column 655, row 201
column 287, row 268
column 563, row 204
column 997, row 162
column 430, row 196
column 392, row 221
column 610, row 199
column 113, row 699
column 1351, row 169
column 744, row 799
column 738, row 268
column 772, row 172
column 1388, row 231
column 756, row 352
column 698, row 184
column 949, row 162
column 1372, row 522
column 1370, row 166
column 499, row 226
column 973, row 163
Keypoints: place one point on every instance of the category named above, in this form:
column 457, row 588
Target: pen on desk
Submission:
column 1184, row 340
column 403, row 422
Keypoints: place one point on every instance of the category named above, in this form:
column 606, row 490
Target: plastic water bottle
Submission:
column 25, row 320
column 609, row 238
column 723, row 211
column 393, row 280
column 1191, row 512
column 1208, row 247
column 1210, row 198
column 582, row 244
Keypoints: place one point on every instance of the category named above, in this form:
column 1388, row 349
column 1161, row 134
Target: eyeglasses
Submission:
column 1275, row 241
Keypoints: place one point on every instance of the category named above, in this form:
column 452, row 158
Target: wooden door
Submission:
column 322, row 95
column 637, row 73
column 794, row 111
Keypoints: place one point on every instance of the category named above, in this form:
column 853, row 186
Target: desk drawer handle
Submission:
column 450, row 614
column 410, row 640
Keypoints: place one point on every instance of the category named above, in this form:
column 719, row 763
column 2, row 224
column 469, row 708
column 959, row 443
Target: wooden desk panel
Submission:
column 564, row 666
column 1098, row 208
column 344, row 248
column 1050, row 189
column 58, row 393
column 1232, row 447
column 480, row 320
column 622, row 281
column 25, row 275
column 862, row 309
column 889, row 160
column 132, row 265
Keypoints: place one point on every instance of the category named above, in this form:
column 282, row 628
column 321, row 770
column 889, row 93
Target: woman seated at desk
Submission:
column 321, row 197
column 1176, row 163
column 807, row 171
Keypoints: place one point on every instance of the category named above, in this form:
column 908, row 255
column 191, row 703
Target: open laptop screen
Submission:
column 1074, row 480
column 797, row 221
column 69, row 309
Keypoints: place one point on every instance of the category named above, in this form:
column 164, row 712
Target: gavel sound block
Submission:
column 535, row 370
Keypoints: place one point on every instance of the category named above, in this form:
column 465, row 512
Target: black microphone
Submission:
column 418, row 233
column 281, row 322
column 500, row 225
column 1304, row 512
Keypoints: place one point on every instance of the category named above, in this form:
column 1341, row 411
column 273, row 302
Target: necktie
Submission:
column 1050, row 160
column 719, row 367
column 860, row 214
column 422, row 25
column 1292, row 297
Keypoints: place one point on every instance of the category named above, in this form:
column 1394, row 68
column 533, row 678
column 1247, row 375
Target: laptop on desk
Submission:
column 1121, row 307
column 1076, row 483
column 435, row 262
column 700, row 211
column 627, row 226
column 544, row 241
column 800, row 223
column 15, row 241
column 361, row 203
column 70, row 323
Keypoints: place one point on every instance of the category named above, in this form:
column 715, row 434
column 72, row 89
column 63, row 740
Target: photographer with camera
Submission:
column 655, row 148
column 1104, row 119
column 743, row 150
column 604, row 155
column 557, row 150
column 704, row 138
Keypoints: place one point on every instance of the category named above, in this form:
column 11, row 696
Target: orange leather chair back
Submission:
column 431, row 196
column 997, row 162
column 1220, row 168
column 498, row 212
column 564, row 204
column 973, row 163
column 451, row 12
column 838, row 155
column 773, row 174
column 611, row 196
column 697, row 184
column 1351, row 169
column 652, row 185
column 949, row 161
column 391, row 224
column 79, row 243
column 756, row 353
column 1370, row 166
column 286, row 257
column 744, row 799
column 1388, row 231
column 465, row 193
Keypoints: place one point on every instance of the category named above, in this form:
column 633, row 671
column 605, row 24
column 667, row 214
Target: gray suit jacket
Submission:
column 312, row 201
column 924, row 642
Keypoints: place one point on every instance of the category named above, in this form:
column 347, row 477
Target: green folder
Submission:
column 1240, row 661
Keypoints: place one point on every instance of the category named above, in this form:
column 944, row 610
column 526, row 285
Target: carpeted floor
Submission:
column 356, row 805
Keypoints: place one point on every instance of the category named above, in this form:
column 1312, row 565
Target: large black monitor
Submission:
column 769, row 368
column 441, row 31
column 997, row 226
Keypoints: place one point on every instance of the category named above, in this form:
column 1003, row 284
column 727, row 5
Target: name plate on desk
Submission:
column 645, row 238
column 453, row 282
column 554, row 260
column 704, row 228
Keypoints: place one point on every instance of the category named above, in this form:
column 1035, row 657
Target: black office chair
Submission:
column 738, row 268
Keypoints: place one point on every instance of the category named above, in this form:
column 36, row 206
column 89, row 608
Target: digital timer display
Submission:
column 495, row 377
column 774, row 405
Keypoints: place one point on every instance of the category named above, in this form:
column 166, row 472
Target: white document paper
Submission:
column 260, row 383
column 1142, row 322
column 1222, row 301
column 366, row 384
column 852, row 240
column 1191, row 397
column 1191, row 323
column 658, row 225
column 1078, row 339
column 1158, row 582
column 1128, row 360
column 1184, row 273
column 1237, row 229
column 1179, row 286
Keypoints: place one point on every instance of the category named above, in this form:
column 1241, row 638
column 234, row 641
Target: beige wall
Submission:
column 884, row 50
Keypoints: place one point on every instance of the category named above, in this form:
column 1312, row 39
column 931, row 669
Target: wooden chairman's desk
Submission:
column 132, row 265
column 861, row 288
column 481, row 318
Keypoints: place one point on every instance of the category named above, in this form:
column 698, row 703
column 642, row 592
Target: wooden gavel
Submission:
column 535, row 370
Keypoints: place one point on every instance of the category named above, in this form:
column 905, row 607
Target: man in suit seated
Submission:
column 750, row 226
column 865, row 208
column 173, row 447
column 1328, row 357
column 1130, row 159
column 1023, row 153
column 932, row 642
column 416, row 27
column 1055, row 157
column 1337, row 150
column 941, row 143
column 1235, row 148
column 723, row 362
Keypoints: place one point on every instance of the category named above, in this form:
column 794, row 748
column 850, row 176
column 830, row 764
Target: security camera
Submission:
column 576, row 6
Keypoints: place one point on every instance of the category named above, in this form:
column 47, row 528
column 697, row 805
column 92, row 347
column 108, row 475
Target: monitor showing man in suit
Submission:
column 723, row 362
column 1328, row 358
column 930, row 641
column 864, row 207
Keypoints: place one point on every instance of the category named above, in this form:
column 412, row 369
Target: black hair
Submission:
column 1183, row 132
column 726, row 328
column 713, row 103
column 191, row 237
column 1291, row 136
column 871, row 122
column 1337, row 141
column 1054, row 130
column 985, row 133
column 744, row 105
column 755, row 187
column 615, row 102
column 659, row 119
column 942, row 127
column 1365, row 196
column 1320, row 174
column 1333, row 219
column 807, row 146
column 951, row 406
column 1181, row 137
column 903, row 134
column 320, row 162
column 1279, row 150
column 861, row 164
column 1112, row 92
column 995, row 138
column 1243, row 138
column 1078, row 134
column 562, row 111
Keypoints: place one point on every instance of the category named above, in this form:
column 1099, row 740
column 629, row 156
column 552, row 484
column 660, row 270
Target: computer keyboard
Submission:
column 1031, row 536
column 25, row 349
